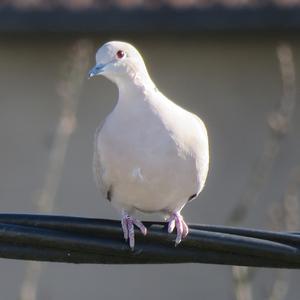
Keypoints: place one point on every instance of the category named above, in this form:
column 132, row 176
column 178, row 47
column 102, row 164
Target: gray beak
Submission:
column 96, row 70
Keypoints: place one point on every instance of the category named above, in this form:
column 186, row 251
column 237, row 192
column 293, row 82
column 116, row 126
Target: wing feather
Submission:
column 98, row 168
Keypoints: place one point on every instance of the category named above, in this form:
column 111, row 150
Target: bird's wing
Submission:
column 203, row 150
column 98, row 169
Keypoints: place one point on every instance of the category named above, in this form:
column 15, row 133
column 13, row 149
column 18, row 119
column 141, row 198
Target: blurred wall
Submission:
column 231, row 81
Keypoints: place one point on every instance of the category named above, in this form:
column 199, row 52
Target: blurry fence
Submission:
column 140, row 19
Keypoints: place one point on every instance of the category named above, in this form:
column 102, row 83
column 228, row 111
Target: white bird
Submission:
column 150, row 154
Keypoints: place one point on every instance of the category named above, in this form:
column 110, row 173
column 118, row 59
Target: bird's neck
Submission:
column 134, row 87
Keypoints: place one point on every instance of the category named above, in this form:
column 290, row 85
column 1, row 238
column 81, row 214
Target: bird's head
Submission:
column 119, row 62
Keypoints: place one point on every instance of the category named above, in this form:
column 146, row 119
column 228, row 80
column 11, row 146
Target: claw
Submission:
column 128, row 223
column 182, row 229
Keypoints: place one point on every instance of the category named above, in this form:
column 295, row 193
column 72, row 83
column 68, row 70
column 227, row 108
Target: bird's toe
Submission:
column 176, row 220
column 128, row 223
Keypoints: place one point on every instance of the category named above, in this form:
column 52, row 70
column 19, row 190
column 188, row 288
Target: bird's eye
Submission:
column 120, row 54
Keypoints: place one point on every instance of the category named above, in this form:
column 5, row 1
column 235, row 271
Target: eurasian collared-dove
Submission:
column 150, row 154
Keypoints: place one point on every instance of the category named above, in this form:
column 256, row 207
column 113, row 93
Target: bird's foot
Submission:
column 176, row 220
column 128, row 223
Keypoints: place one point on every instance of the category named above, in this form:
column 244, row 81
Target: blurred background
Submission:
column 234, row 63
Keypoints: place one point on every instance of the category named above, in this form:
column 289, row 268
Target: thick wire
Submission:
column 85, row 240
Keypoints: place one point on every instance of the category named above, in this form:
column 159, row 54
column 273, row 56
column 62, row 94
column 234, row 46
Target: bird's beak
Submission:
column 96, row 70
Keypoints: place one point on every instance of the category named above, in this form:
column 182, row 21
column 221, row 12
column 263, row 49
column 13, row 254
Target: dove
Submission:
column 150, row 154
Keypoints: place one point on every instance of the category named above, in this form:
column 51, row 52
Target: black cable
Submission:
column 85, row 240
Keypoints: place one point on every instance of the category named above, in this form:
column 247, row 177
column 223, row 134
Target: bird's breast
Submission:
column 144, row 162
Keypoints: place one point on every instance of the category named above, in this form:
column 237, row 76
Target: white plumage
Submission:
column 150, row 154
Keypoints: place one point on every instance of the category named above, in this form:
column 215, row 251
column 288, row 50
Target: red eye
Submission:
column 120, row 54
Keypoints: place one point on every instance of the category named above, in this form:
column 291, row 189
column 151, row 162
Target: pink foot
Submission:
column 128, row 223
column 176, row 219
